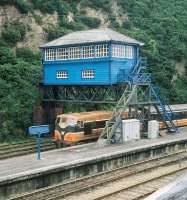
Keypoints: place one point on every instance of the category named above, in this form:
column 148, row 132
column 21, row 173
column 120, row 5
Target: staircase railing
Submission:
column 165, row 111
column 140, row 65
column 112, row 125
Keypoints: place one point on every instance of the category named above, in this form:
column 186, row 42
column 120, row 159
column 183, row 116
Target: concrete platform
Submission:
column 26, row 173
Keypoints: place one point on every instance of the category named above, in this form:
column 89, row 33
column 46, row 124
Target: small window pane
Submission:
column 74, row 53
column 62, row 54
column 122, row 51
column 50, row 54
column 62, row 74
column 88, row 51
column 88, row 73
column 102, row 50
column 129, row 52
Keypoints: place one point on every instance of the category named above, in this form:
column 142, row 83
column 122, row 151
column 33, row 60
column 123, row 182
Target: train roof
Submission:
column 93, row 115
column 175, row 108
column 97, row 115
column 91, row 36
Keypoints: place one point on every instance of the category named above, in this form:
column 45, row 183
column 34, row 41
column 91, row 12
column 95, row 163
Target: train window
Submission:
column 80, row 124
column 71, row 122
column 58, row 120
column 100, row 124
column 87, row 128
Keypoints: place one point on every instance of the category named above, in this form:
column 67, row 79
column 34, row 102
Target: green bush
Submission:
column 26, row 54
column 13, row 32
column 38, row 18
column 54, row 32
column 3, row 43
column 7, row 56
column 6, row 2
column 91, row 22
column 18, row 96
column 23, row 6
column 104, row 4
column 46, row 6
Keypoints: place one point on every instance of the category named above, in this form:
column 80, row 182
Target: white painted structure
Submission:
column 130, row 130
column 153, row 129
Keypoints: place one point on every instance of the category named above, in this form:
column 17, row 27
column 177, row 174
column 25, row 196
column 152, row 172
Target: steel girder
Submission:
column 83, row 94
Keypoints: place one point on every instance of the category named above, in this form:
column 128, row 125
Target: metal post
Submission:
column 38, row 142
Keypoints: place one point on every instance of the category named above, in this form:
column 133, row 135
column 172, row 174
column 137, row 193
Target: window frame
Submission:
column 62, row 74
column 122, row 51
column 88, row 74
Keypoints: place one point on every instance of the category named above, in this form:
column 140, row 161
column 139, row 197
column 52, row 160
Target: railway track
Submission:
column 127, row 179
column 145, row 187
column 19, row 149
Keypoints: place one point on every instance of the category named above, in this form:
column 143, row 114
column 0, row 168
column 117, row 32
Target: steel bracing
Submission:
column 84, row 94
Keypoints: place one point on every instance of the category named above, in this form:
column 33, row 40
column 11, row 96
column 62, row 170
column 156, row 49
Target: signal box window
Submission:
column 62, row 74
column 89, row 73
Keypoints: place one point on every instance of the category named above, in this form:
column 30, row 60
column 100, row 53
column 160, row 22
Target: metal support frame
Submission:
column 83, row 94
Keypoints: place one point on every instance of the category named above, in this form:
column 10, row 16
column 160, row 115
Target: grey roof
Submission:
column 90, row 36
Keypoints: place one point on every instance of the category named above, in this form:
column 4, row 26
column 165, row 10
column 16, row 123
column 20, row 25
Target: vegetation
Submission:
column 160, row 24
column 13, row 32
column 18, row 95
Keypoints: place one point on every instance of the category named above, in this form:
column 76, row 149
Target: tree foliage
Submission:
column 26, row 54
column 7, row 56
column 14, row 32
column 18, row 95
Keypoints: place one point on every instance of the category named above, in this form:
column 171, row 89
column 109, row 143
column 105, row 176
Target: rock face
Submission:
column 36, row 34
column 174, row 191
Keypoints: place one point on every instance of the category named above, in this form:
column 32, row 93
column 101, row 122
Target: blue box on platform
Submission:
column 93, row 57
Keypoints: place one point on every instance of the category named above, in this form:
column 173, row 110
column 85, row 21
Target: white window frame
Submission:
column 62, row 54
column 88, row 51
column 50, row 54
column 122, row 51
column 79, row 52
column 88, row 73
column 62, row 74
column 129, row 52
column 74, row 53
column 102, row 50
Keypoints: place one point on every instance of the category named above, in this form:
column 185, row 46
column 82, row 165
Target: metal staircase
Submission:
column 164, row 110
column 112, row 127
column 140, row 66
column 137, row 77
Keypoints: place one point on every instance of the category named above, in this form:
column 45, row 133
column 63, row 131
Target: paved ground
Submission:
column 27, row 165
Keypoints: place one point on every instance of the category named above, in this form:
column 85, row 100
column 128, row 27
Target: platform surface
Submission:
column 29, row 165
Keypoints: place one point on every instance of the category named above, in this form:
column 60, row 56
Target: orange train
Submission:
column 73, row 128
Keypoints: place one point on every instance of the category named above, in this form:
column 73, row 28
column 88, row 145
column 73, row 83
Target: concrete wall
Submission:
column 62, row 175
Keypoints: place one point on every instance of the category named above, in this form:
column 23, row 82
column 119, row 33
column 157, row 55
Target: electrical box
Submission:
column 130, row 129
column 153, row 129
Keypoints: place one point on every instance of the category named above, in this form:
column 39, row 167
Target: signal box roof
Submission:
column 91, row 36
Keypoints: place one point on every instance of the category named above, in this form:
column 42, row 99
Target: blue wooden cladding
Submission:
column 94, row 63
